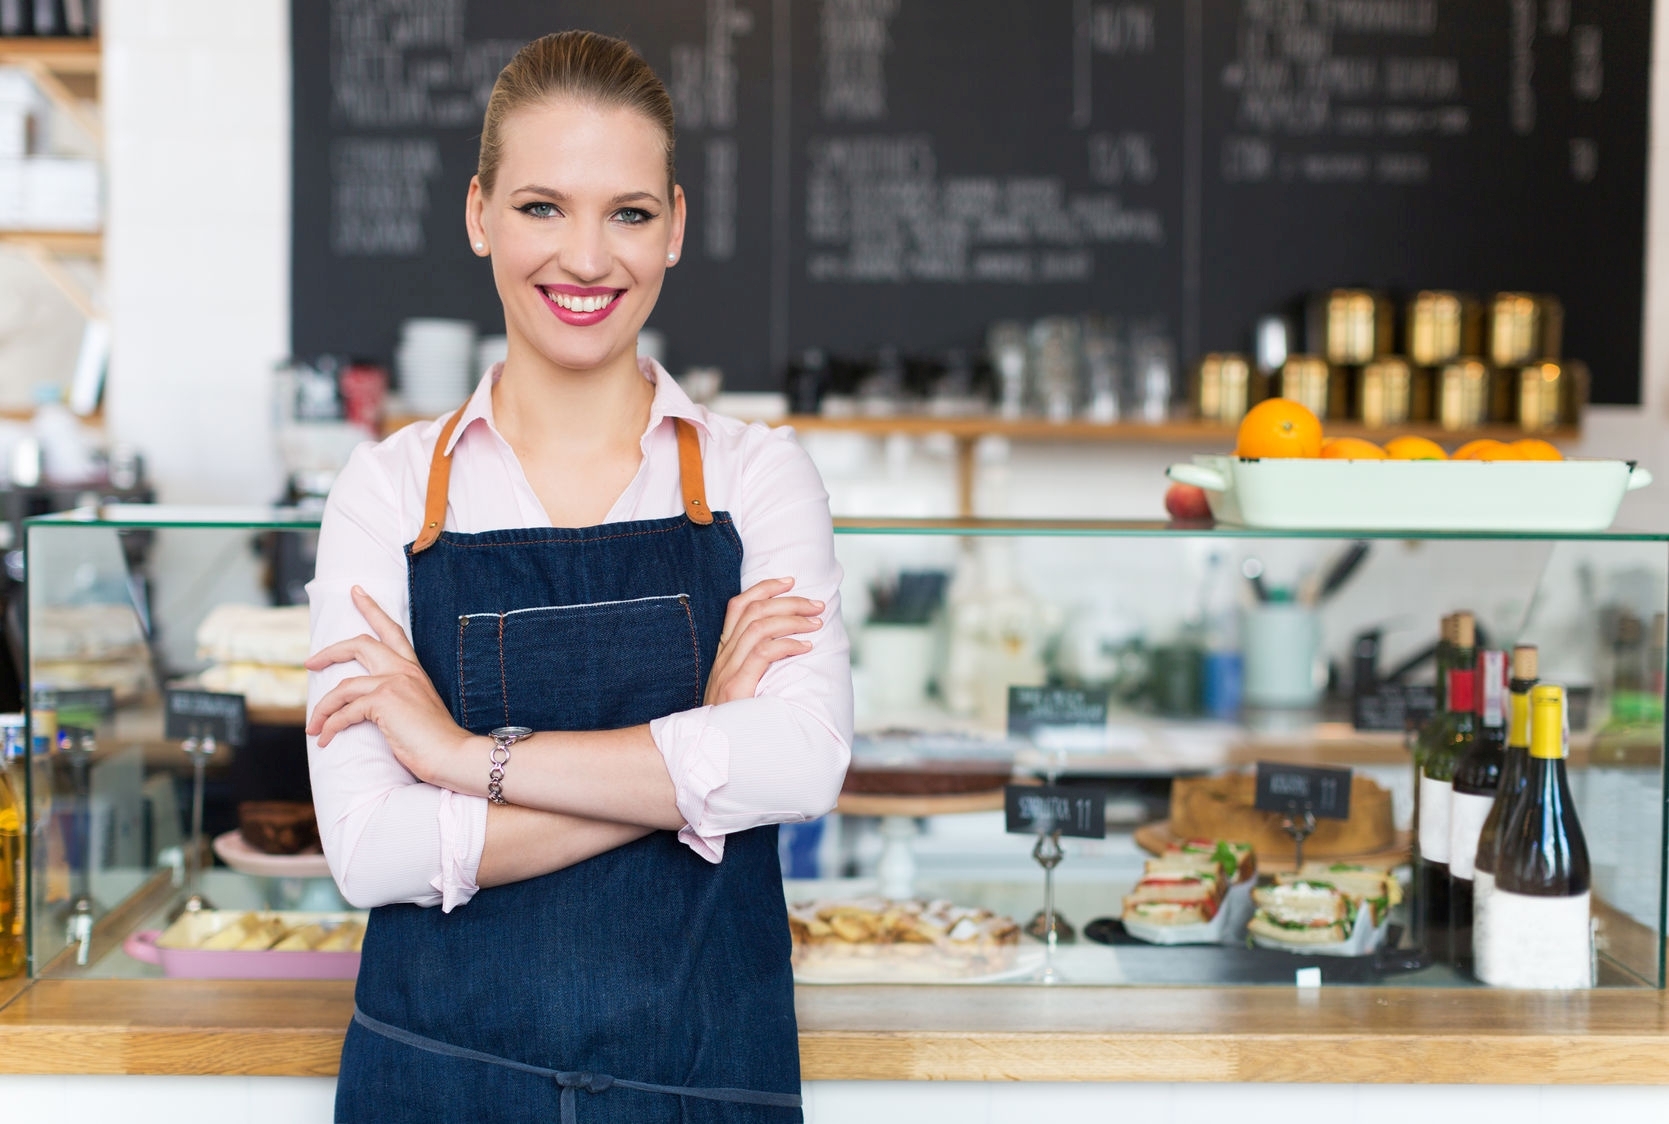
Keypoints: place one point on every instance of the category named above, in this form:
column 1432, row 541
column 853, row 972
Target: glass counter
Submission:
column 1214, row 649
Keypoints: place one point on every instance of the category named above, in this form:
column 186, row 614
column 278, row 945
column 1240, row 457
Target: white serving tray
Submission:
column 1304, row 494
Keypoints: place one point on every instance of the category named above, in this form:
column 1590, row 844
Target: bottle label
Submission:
column 1492, row 687
column 1483, row 892
column 1435, row 800
column 1538, row 942
column 1466, row 822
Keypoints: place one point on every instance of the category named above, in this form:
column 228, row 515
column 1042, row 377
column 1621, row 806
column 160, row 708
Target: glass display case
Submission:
column 1182, row 657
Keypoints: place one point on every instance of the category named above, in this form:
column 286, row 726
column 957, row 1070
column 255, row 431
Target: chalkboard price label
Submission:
column 1296, row 789
column 1067, row 710
column 85, row 706
column 1069, row 809
column 203, row 714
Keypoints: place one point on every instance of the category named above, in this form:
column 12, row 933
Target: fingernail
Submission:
column 358, row 592
column 817, row 606
column 816, row 622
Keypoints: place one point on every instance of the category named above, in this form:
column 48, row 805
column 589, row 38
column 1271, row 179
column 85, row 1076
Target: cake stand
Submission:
column 897, row 868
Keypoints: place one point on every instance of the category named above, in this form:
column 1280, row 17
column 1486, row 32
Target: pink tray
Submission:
column 234, row 964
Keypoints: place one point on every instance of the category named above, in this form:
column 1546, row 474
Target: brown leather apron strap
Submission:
column 690, row 474
column 440, row 479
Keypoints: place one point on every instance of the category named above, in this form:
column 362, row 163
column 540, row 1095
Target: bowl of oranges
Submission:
column 1285, row 473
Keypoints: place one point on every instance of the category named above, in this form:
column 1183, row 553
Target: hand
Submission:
column 759, row 629
column 395, row 694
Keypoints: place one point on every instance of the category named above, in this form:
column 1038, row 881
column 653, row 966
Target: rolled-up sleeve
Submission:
column 779, row 757
column 387, row 836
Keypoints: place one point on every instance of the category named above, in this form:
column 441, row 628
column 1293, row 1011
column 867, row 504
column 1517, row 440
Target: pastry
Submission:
column 878, row 938
column 279, row 827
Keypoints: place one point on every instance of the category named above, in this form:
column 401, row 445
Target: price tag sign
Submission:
column 1069, row 809
column 86, row 707
column 1066, row 716
column 1296, row 789
column 201, row 714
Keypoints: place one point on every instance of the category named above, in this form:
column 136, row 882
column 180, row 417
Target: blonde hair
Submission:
column 595, row 68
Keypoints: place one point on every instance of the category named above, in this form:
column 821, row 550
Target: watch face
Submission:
column 510, row 732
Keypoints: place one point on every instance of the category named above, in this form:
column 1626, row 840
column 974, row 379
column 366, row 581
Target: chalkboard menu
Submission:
column 869, row 173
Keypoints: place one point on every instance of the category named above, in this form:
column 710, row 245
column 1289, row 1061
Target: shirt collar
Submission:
column 670, row 402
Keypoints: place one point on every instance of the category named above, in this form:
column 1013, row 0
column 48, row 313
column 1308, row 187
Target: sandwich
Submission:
column 1374, row 889
column 1302, row 913
column 1237, row 860
column 1171, row 913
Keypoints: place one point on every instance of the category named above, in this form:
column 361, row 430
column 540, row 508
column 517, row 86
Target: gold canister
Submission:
column 1313, row 383
column 1463, row 394
column 1543, row 391
column 1443, row 326
column 1353, row 326
column 1225, row 387
column 1524, row 328
column 1385, row 392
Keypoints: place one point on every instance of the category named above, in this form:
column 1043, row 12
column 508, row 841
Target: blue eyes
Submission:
column 628, row 216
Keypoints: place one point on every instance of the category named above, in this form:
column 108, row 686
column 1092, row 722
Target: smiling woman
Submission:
column 562, row 688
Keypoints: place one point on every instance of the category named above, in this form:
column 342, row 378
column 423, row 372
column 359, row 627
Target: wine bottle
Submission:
column 1477, row 777
column 1454, row 738
column 1418, row 748
column 14, row 952
column 1514, row 767
column 1540, row 924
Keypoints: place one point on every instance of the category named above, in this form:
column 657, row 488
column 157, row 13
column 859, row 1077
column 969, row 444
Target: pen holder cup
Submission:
column 1281, row 646
column 897, row 663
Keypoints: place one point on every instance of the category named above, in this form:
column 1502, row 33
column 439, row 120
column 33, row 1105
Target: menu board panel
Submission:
column 902, row 173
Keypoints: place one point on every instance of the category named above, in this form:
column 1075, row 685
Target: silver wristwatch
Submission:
column 503, row 738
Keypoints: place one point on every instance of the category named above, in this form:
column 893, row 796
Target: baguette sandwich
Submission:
column 1302, row 913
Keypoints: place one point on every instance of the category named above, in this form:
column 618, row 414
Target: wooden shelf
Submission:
column 1334, row 1034
column 1205, row 436
column 64, row 243
column 60, row 56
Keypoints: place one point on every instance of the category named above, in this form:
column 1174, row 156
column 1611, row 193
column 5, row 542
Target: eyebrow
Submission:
column 556, row 196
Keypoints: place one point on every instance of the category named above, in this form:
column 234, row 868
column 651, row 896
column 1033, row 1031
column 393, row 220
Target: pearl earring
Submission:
column 672, row 257
column 480, row 245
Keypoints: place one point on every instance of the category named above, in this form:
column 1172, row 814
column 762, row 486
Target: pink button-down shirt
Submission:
column 776, row 758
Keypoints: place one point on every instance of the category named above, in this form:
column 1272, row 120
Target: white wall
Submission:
column 197, row 123
column 197, row 100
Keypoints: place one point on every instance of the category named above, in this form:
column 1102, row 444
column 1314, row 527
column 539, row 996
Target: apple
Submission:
column 1187, row 503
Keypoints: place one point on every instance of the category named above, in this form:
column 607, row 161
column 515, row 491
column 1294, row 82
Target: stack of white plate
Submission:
column 490, row 350
column 435, row 361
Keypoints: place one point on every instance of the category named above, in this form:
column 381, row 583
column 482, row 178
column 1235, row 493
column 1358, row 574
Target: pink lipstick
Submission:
column 580, row 305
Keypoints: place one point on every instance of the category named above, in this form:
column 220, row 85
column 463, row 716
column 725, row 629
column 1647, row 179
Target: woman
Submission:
column 580, row 753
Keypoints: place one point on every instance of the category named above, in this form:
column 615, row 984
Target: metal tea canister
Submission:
column 1524, row 328
column 1307, row 379
column 1443, row 326
column 1463, row 394
column 1387, row 390
column 1225, row 387
column 1548, row 395
column 1352, row 326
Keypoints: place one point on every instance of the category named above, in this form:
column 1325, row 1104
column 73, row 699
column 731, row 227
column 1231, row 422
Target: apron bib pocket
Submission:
column 567, row 667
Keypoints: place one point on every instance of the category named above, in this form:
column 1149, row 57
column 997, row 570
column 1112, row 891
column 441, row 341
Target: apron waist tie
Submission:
column 570, row 1080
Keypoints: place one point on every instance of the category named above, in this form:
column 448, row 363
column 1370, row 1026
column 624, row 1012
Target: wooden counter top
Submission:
column 1367, row 1035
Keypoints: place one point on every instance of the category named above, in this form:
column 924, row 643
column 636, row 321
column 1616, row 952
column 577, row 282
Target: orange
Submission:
column 1474, row 450
column 1351, row 449
column 1410, row 448
column 1279, row 427
column 1535, row 449
column 1498, row 452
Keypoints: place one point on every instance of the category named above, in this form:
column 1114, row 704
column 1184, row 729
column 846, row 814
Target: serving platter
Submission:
column 1312, row 494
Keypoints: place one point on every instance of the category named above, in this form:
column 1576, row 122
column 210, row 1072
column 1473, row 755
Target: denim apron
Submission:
column 643, row 985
